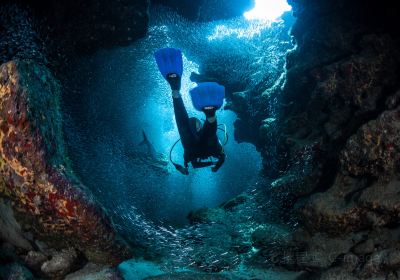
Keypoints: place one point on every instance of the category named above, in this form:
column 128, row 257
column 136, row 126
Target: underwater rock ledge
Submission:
column 50, row 204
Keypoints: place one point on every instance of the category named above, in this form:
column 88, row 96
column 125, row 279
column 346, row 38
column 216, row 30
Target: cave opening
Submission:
column 115, row 95
column 121, row 94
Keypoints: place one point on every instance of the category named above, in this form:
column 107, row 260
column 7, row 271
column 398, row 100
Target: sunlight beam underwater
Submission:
column 268, row 10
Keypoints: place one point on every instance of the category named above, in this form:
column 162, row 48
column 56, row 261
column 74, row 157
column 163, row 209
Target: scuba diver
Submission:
column 200, row 142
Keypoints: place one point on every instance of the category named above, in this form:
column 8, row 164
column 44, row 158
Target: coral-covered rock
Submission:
column 385, row 260
column 374, row 150
column 338, row 78
column 340, row 210
column 338, row 97
column 331, row 212
column 383, row 199
column 60, row 264
column 34, row 171
column 352, row 204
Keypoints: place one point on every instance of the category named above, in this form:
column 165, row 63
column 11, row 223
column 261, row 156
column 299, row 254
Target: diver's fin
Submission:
column 169, row 60
column 207, row 94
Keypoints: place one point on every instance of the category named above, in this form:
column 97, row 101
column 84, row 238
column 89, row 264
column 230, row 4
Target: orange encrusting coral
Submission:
column 34, row 173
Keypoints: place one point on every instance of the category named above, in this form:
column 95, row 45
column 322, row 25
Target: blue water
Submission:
column 113, row 95
column 119, row 106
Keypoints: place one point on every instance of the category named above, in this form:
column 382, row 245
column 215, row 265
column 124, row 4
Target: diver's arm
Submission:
column 221, row 160
column 174, row 81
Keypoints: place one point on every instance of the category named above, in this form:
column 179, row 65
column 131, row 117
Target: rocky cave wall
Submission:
column 329, row 135
column 337, row 140
column 75, row 27
column 49, row 221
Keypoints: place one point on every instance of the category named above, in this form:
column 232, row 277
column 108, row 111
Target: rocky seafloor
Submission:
column 330, row 203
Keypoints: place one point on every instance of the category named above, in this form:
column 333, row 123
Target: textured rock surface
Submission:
column 61, row 263
column 10, row 230
column 340, row 120
column 374, row 149
column 15, row 271
column 34, row 260
column 46, row 198
column 86, row 26
column 95, row 272
column 8, row 253
column 331, row 143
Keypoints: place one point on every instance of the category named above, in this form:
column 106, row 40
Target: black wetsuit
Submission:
column 198, row 146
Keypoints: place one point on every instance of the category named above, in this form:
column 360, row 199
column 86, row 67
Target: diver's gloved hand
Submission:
column 174, row 81
column 209, row 111
column 180, row 168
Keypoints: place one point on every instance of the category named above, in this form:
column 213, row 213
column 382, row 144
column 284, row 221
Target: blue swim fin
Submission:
column 169, row 60
column 207, row 94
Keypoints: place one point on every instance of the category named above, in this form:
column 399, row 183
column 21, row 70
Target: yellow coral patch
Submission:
column 13, row 162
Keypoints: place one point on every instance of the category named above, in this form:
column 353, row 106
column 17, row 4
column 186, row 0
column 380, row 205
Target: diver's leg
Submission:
column 210, row 125
column 182, row 121
column 181, row 115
